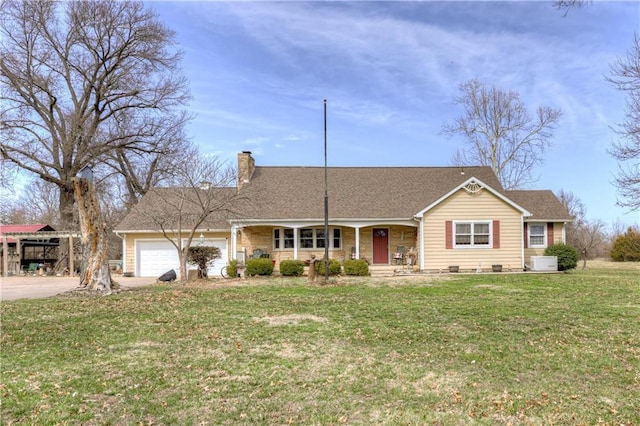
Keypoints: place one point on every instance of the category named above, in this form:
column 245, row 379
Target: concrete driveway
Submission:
column 27, row 287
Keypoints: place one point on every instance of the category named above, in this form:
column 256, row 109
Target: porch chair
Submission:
column 259, row 253
column 398, row 256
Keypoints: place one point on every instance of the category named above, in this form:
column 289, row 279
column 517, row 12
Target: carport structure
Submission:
column 19, row 237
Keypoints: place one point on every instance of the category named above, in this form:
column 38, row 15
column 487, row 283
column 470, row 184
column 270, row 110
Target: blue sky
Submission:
column 259, row 73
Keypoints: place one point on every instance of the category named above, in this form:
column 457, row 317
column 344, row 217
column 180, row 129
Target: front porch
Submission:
column 381, row 245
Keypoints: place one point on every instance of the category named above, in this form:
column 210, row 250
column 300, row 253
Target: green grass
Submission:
column 473, row 349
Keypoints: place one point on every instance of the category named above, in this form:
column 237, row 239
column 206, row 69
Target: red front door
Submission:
column 380, row 245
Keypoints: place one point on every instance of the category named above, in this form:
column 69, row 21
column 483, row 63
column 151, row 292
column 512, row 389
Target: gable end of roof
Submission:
column 470, row 185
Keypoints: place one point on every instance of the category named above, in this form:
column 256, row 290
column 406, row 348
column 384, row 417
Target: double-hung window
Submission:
column 282, row 238
column 313, row 238
column 308, row 238
column 537, row 235
column 472, row 234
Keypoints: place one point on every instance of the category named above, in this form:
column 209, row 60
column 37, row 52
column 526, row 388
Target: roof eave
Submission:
column 172, row 231
column 536, row 219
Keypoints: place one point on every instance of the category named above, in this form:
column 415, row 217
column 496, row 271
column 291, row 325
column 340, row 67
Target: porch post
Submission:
column 357, row 242
column 295, row 243
column 19, row 250
column 5, row 256
column 71, row 257
column 234, row 242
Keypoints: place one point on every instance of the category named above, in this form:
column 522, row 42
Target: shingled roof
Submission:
column 542, row 204
column 354, row 192
column 158, row 203
column 374, row 193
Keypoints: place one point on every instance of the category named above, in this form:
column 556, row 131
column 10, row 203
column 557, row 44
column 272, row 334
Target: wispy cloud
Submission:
column 387, row 60
column 390, row 71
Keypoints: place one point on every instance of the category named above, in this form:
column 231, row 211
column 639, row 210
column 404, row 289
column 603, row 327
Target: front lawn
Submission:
column 467, row 349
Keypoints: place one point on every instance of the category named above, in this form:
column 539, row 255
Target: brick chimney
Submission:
column 246, row 166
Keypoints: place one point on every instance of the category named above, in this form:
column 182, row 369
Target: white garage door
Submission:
column 159, row 256
column 218, row 264
column 155, row 258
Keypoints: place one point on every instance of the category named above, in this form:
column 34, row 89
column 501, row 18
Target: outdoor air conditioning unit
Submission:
column 544, row 263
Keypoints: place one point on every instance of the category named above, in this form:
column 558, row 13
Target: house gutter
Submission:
column 420, row 220
column 124, row 250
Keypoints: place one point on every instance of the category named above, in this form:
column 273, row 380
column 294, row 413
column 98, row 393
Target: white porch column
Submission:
column 234, row 242
column 358, row 242
column 421, row 239
column 295, row 243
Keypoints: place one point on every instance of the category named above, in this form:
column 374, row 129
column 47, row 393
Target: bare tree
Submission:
column 567, row 5
column 84, row 86
column 589, row 237
column 137, row 171
column 202, row 195
column 40, row 203
column 573, row 204
column 500, row 133
column 625, row 75
column 84, row 82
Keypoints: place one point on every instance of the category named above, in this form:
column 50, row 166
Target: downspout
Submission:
column 124, row 250
column 420, row 221
column 522, row 237
column 5, row 256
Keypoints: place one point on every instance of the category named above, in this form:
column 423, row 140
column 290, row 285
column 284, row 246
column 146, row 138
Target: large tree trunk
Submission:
column 67, row 223
column 95, row 273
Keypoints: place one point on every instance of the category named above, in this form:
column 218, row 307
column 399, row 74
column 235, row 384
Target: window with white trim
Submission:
column 337, row 238
column 472, row 234
column 308, row 238
column 282, row 238
column 537, row 235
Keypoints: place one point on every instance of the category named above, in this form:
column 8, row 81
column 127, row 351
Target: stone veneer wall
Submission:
column 262, row 237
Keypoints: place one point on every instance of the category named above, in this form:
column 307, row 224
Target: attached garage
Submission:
column 155, row 257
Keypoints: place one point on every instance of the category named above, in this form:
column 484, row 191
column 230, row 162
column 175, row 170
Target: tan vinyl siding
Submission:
column 557, row 232
column 463, row 206
column 539, row 251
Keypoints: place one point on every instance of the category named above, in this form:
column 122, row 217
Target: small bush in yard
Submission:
column 291, row 268
column 203, row 257
column 262, row 266
column 567, row 256
column 358, row 267
column 334, row 267
column 626, row 248
column 232, row 268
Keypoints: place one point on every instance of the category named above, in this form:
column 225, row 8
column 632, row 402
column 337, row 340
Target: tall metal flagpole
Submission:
column 326, row 202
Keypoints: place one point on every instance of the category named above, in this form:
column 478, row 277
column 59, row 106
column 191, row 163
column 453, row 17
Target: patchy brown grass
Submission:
column 438, row 349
